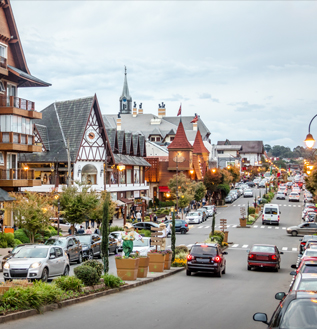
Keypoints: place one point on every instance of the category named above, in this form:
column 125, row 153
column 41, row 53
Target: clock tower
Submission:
column 125, row 99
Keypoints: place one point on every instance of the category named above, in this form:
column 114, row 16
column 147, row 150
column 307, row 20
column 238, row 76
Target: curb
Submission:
column 25, row 314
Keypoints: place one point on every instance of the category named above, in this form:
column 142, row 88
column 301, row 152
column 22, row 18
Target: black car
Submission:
column 298, row 309
column 71, row 246
column 145, row 225
column 303, row 241
column 250, row 184
column 180, row 225
column 206, row 258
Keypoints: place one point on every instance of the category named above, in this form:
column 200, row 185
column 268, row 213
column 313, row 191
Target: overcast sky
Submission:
column 247, row 68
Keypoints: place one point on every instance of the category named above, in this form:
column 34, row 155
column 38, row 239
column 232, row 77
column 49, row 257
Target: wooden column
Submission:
column 125, row 215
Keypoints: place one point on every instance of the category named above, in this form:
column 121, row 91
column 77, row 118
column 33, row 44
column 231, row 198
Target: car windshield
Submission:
column 204, row 250
column 270, row 211
column 193, row 214
column 84, row 239
column 280, row 192
column 308, row 285
column 248, row 191
column 56, row 242
column 139, row 243
column 16, row 249
column 263, row 249
column 32, row 253
column 310, row 253
column 294, row 194
column 300, row 314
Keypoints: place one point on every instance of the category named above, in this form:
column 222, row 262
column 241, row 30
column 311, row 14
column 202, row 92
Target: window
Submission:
column 3, row 51
column 136, row 175
column 220, row 152
column 2, row 89
column 58, row 252
column 158, row 139
column 152, row 139
column 129, row 174
column 1, row 158
column 172, row 138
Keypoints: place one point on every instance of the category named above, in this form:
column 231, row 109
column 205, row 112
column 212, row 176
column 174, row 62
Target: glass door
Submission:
column 11, row 166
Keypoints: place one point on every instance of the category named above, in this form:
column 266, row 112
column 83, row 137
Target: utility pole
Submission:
column 177, row 184
column 69, row 164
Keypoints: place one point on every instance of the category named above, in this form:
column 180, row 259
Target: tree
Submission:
column 235, row 173
column 267, row 148
column 212, row 179
column 173, row 236
column 105, row 233
column 76, row 203
column 200, row 191
column 96, row 213
column 32, row 212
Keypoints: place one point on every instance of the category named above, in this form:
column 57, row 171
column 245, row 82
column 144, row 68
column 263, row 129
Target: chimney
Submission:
column 161, row 110
column 195, row 126
column 119, row 123
column 135, row 110
column 140, row 109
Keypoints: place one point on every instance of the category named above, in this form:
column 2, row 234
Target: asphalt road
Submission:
column 202, row 300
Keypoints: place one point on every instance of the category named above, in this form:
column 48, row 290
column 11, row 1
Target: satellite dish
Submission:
column 179, row 159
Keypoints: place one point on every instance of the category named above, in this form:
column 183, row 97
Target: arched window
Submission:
column 89, row 175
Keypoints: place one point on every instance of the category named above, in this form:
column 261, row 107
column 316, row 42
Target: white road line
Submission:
column 269, row 227
column 207, row 226
column 234, row 205
column 262, row 226
column 200, row 226
column 245, row 246
column 234, row 246
column 283, row 228
column 277, row 228
column 294, row 249
column 285, row 205
column 228, row 225
column 234, row 225
column 299, row 206
column 284, row 248
column 294, row 205
column 255, row 226
column 289, row 205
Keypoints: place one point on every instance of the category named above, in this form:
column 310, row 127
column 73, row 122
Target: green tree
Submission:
column 105, row 234
column 96, row 213
column 267, row 148
column 212, row 179
column 200, row 191
column 32, row 212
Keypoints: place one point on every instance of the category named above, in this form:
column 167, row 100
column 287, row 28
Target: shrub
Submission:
column 218, row 237
column 251, row 210
column 182, row 255
column 116, row 228
column 87, row 274
column 94, row 264
column 181, row 249
column 145, row 233
column 263, row 201
column 68, row 283
column 3, row 241
column 179, row 262
column 112, row 281
column 21, row 235
column 17, row 242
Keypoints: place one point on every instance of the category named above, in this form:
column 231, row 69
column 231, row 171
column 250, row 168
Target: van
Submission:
column 271, row 214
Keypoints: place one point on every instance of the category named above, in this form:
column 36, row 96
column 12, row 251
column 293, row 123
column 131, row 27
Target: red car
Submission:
column 307, row 265
column 264, row 255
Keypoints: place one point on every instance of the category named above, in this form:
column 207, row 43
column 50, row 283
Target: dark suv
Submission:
column 206, row 258
column 71, row 246
column 180, row 225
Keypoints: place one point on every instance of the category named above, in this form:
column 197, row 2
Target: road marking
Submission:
column 284, row 248
column 245, row 246
column 190, row 226
column 277, row 228
column 234, row 205
column 283, row 228
column 289, row 205
column 234, row 225
column 262, row 226
column 200, row 226
column 294, row 205
column 255, row 226
column 294, row 249
column 234, row 246
column 207, row 226
column 299, row 206
column 270, row 227
column 285, row 205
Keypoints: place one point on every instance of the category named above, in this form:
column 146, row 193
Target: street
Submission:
column 201, row 300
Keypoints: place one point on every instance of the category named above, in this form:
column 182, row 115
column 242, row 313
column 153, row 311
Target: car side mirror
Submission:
column 281, row 253
column 300, row 239
column 52, row 257
column 294, row 266
column 280, row 295
column 225, row 253
column 9, row 252
column 293, row 273
column 260, row 317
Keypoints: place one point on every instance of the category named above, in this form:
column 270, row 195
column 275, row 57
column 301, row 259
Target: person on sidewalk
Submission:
column 97, row 230
column 88, row 231
column 81, row 230
column 138, row 216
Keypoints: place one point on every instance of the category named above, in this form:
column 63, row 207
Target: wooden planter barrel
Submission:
column 157, row 262
column 143, row 267
column 127, row 269
column 168, row 261
column 243, row 222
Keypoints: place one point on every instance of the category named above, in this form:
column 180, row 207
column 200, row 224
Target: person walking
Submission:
column 154, row 218
column 88, row 231
column 97, row 230
column 81, row 230
column 138, row 216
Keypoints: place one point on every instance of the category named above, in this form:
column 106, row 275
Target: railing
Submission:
column 16, row 138
column 3, row 62
column 13, row 174
column 17, row 102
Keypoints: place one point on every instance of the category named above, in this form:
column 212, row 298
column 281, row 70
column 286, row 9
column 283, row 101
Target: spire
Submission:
column 199, row 146
column 125, row 91
column 180, row 141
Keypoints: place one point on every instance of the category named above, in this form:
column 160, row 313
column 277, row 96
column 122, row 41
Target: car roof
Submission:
column 39, row 246
column 308, row 276
column 205, row 244
column 264, row 245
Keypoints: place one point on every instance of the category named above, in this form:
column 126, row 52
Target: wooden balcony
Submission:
column 18, row 178
column 18, row 143
column 3, row 66
column 18, row 106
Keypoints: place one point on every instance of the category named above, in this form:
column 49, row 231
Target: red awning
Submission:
column 164, row 189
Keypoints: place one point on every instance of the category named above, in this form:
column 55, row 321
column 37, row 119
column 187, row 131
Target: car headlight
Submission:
column 35, row 265
column 6, row 266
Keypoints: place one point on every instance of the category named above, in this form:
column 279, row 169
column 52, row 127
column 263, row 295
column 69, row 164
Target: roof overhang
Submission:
column 25, row 79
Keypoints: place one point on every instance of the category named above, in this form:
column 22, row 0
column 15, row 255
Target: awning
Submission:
column 164, row 189
column 146, row 198
column 126, row 201
column 119, row 203
column 26, row 79
column 4, row 196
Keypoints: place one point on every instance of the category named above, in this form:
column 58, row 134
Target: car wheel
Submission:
column 66, row 271
column 219, row 274
column 183, row 231
column 263, row 223
column 294, row 233
column 188, row 273
column 80, row 258
column 90, row 255
column 249, row 268
column 44, row 276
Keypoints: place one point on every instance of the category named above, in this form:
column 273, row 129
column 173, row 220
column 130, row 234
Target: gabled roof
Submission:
column 42, row 130
column 199, row 146
column 180, row 140
column 247, row 146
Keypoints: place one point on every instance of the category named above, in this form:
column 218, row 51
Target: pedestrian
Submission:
column 155, row 218
column 81, row 230
column 97, row 230
column 166, row 218
column 88, row 231
column 138, row 216
column 92, row 223
column 87, row 223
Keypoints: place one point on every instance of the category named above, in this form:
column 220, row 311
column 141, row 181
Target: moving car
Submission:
column 180, row 225
column 203, row 212
column 294, row 196
column 210, row 210
column 264, row 255
column 262, row 183
column 280, row 195
column 297, row 310
column 271, row 214
column 283, row 189
column 206, row 258
column 71, row 246
column 247, row 193
column 37, row 262
column 91, row 245
column 304, row 228
column 142, row 247
column 251, row 184
column 194, row 217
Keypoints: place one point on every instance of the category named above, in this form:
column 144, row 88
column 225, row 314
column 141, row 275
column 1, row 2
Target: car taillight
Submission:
column 273, row 257
column 303, row 243
column 263, row 216
column 190, row 257
column 278, row 218
column 251, row 256
column 186, row 225
column 217, row 259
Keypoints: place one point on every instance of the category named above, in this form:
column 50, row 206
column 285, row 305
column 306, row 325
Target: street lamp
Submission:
column 56, row 197
column 309, row 141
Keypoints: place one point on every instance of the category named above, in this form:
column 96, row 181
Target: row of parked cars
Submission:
column 241, row 189
column 298, row 307
column 197, row 216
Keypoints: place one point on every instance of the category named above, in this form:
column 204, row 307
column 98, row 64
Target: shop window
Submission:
column 89, row 175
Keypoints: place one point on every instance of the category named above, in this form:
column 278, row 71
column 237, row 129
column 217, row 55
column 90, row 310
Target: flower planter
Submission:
column 168, row 261
column 157, row 262
column 243, row 222
column 127, row 269
column 143, row 267
column 226, row 236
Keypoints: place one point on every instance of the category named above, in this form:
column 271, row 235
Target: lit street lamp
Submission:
column 309, row 141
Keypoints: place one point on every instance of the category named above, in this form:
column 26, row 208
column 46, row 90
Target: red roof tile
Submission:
column 199, row 146
column 180, row 141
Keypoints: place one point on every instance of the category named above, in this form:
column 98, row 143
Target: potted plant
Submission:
column 243, row 222
column 143, row 266
column 157, row 260
column 127, row 267
column 168, row 259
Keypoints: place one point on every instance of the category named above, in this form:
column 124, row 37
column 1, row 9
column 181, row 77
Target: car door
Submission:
column 178, row 225
column 60, row 264
column 312, row 227
column 304, row 229
column 71, row 249
column 97, row 244
column 52, row 263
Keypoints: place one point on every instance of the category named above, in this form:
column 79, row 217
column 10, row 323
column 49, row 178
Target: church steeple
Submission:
column 125, row 99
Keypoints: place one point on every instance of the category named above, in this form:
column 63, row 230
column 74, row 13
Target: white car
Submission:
column 294, row 196
column 210, row 210
column 194, row 217
column 247, row 193
column 310, row 253
column 280, row 195
column 142, row 247
column 117, row 235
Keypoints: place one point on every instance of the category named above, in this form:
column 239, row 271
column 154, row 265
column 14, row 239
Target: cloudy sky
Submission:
column 247, row 68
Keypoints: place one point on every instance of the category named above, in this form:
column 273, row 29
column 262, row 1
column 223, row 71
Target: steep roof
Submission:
column 199, row 146
column 247, row 146
column 180, row 141
column 125, row 90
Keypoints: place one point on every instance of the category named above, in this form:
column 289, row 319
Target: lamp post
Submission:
column 178, row 159
column 58, row 209
column 309, row 141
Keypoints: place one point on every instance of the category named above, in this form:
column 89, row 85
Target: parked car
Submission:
column 262, row 184
column 305, row 266
column 194, row 217
column 37, row 262
column 305, row 281
column 71, row 246
column 91, row 245
column 304, row 240
column 298, row 309
column 206, row 258
column 210, row 210
column 14, row 251
column 180, row 225
column 248, row 193
column 145, row 225
column 251, row 184
column 229, row 199
column 264, row 255
column 304, row 228
column 117, row 235
column 280, row 195
column 294, row 196
column 310, row 252
column 142, row 247
column 203, row 212
column 310, row 244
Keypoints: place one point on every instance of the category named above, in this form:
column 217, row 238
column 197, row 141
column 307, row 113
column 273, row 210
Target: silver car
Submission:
column 38, row 262
column 303, row 229
column 194, row 217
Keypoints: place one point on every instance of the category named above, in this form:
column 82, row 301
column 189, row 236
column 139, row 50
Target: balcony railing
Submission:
column 14, row 174
column 3, row 62
column 16, row 138
column 17, row 102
